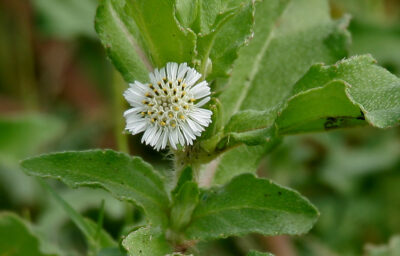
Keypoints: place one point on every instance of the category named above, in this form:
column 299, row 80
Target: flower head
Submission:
column 168, row 109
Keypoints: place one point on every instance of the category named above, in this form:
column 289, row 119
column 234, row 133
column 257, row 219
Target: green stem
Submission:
column 118, row 109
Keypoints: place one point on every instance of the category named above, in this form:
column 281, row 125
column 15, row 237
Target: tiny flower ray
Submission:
column 168, row 109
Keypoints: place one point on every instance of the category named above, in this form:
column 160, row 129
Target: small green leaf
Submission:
column 222, row 44
column 183, row 204
column 254, row 253
column 392, row 249
column 186, row 175
column 165, row 40
column 126, row 178
column 250, row 205
column 146, row 241
column 17, row 237
column 365, row 88
column 120, row 37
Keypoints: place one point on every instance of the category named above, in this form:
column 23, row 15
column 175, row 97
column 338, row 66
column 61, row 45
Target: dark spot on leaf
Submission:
column 266, row 195
column 279, row 193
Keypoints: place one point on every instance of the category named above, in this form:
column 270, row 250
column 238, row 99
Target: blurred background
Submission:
column 59, row 92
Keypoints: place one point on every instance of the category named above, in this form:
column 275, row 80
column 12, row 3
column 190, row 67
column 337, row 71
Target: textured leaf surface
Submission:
column 120, row 37
column 146, row 241
column 366, row 88
column 17, row 238
column 250, row 205
column 126, row 178
column 289, row 38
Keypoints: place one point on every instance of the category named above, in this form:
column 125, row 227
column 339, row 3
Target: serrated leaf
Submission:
column 392, row 249
column 254, row 253
column 356, row 84
column 183, row 205
column 290, row 36
column 126, row 178
column 120, row 37
column 250, row 205
column 146, row 241
column 162, row 36
column 17, row 238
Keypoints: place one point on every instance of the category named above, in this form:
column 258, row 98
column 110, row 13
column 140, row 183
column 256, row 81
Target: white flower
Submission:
column 168, row 109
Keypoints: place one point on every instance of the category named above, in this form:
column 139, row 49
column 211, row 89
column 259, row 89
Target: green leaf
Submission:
column 66, row 19
column 17, row 237
column 165, row 40
column 250, row 205
column 318, row 109
column 111, row 252
column 242, row 159
column 146, row 241
column 24, row 135
column 184, row 203
column 186, row 175
column 339, row 93
column 120, row 37
column 222, row 44
column 96, row 236
column 126, row 178
column 254, row 253
column 290, row 36
column 392, row 249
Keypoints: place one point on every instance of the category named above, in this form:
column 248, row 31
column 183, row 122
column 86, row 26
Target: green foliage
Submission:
column 146, row 241
column 356, row 85
column 248, row 204
column 126, row 178
column 17, row 237
column 184, row 203
column 119, row 36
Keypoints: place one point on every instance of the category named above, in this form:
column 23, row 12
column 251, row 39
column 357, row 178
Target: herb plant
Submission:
column 228, row 81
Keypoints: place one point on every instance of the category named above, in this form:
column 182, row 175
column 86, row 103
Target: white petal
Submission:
column 203, row 102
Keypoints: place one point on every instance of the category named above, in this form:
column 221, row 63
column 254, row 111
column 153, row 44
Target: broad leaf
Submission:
column 184, row 202
column 120, row 37
column 342, row 94
column 250, row 205
column 392, row 249
column 254, row 253
column 17, row 237
column 146, row 241
column 126, row 178
column 290, row 36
